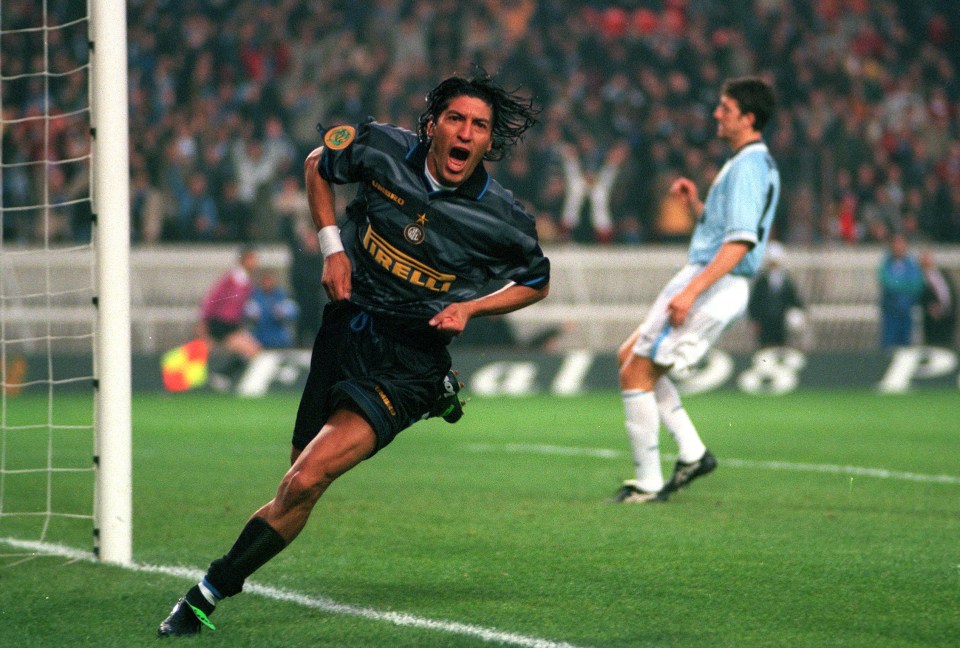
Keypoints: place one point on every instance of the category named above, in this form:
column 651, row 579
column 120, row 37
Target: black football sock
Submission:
column 257, row 544
column 196, row 599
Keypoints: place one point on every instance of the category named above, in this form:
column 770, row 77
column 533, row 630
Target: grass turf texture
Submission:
column 472, row 524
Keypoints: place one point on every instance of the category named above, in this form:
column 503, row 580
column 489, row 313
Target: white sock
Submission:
column 690, row 447
column 207, row 594
column 643, row 430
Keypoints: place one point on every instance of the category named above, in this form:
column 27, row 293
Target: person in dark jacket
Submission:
column 772, row 297
column 939, row 302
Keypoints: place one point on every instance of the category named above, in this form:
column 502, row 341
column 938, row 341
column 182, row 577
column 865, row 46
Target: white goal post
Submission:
column 111, row 205
column 65, row 458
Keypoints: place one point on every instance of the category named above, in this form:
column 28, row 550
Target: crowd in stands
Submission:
column 225, row 96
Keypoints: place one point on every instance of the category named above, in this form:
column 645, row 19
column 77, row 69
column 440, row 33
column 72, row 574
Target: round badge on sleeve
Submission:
column 339, row 137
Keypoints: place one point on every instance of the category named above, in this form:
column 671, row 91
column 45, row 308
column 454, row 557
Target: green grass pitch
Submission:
column 833, row 520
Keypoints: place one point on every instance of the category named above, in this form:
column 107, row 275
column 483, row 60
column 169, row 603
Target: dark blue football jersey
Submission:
column 414, row 251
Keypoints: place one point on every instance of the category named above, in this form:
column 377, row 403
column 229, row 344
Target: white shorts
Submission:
column 714, row 311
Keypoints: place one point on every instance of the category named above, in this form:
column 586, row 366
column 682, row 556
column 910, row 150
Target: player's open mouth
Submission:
column 457, row 159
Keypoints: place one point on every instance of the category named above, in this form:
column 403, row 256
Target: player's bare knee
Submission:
column 301, row 487
column 627, row 374
column 637, row 373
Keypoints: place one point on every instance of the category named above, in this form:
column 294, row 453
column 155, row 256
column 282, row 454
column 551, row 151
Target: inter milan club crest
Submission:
column 414, row 232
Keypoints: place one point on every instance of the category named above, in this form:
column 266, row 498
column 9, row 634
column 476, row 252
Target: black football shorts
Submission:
column 366, row 363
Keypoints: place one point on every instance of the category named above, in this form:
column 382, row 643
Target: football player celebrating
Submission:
column 427, row 232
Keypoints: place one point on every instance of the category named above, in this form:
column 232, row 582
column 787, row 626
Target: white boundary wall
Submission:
column 599, row 294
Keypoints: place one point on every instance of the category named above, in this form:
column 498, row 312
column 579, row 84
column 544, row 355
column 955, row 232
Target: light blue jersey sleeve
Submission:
column 740, row 206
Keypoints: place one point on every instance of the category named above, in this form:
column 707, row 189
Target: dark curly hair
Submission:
column 512, row 114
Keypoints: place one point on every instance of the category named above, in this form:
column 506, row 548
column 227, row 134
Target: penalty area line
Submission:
column 313, row 602
column 603, row 453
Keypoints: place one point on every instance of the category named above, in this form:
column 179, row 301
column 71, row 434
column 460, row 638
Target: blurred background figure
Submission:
column 901, row 284
column 196, row 216
column 256, row 167
column 775, row 308
column 939, row 301
column 146, row 208
column 589, row 174
column 272, row 312
column 306, row 271
column 222, row 320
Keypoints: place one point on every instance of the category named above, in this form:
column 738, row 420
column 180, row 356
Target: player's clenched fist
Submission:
column 336, row 276
column 686, row 190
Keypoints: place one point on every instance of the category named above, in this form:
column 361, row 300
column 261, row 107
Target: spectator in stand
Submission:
column 272, row 312
column 774, row 300
column 901, row 284
column 590, row 173
column 197, row 218
column 546, row 208
column 517, row 172
column 222, row 319
column 235, row 214
column 57, row 225
column 146, row 208
column 290, row 202
column 939, row 301
column 874, row 85
column 256, row 168
column 278, row 145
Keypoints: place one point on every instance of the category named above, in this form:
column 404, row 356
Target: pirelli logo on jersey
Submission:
column 404, row 266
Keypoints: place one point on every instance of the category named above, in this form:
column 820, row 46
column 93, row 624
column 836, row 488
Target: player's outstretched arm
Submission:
column 453, row 319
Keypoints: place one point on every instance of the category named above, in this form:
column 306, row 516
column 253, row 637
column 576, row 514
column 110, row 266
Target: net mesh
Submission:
column 47, row 274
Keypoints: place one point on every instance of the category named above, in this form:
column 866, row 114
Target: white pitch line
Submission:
column 603, row 453
column 317, row 603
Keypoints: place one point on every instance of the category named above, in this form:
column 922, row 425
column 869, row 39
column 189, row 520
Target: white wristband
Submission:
column 330, row 242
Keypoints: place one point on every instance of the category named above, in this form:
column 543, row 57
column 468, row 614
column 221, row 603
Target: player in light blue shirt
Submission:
column 704, row 298
column 739, row 207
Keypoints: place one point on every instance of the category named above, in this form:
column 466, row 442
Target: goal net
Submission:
column 64, row 333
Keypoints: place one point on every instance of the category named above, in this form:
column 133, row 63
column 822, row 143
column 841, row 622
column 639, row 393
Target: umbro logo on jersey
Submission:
column 415, row 232
column 386, row 192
